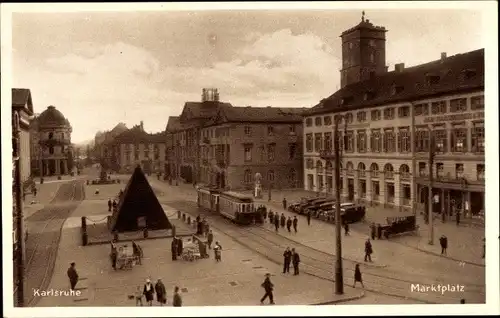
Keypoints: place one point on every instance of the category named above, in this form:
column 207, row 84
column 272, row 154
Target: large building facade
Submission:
column 226, row 146
column 386, row 120
column 51, row 148
column 22, row 106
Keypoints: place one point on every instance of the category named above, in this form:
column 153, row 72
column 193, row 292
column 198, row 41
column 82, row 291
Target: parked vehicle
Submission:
column 399, row 225
column 349, row 212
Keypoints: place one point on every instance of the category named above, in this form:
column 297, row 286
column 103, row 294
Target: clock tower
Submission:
column 363, row 52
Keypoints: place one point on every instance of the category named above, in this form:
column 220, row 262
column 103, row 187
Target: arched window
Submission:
column 51, row 135
column 270, row 175
column 329, row 167
column 361, row 170
column 51, row 150
column 319, row 166
column 309, row 164
column 350, row 168
column 388, row 171
column 248, row 176
column 404, row 171
column 374, row 170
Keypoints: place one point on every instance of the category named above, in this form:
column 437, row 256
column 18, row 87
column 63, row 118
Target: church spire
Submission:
column 363, row 16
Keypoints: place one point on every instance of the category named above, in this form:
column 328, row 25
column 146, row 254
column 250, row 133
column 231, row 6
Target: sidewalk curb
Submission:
column 443, row 256
column 343, row 300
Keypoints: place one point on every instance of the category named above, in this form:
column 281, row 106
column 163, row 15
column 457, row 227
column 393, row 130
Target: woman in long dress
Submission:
column 357, row 277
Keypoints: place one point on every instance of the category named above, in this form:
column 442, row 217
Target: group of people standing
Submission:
column 149, row 290
column 291, row 257
column 176, row 248
column 112, row 205
column 277, row 220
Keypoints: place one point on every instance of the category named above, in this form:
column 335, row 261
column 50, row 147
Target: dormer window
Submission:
column 468, row 73
column 432, row 79
column 346, row 100
column 396, row 89
column 368, row 95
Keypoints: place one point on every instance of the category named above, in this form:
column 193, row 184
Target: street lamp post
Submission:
column 431, row 181
column 339, row 281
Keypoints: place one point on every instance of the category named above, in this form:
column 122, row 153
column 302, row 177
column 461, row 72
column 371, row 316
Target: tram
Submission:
column 235, row 206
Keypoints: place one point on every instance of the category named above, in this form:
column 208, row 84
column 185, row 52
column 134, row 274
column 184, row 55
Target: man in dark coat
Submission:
column 346, row 228
column 276, row 222
column 148, row 292
column 287, row 259
column 308, row 217
column 109, row 205
column 271, row 216
column 295, row 223
column 372, row 231
column 443, row 241
column 289, row 224
column 284, row 203
column 180, row 246
column 210, row 239
column 458, row 217
column 72, row 275
column 268, row 287
column 161, row 292
column 282, row 220
column 368, row 250
column 173, row 248
column 295, row 262
column 177, row 302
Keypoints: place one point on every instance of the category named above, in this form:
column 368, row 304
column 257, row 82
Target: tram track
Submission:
column 321, row 264
column 44, row 243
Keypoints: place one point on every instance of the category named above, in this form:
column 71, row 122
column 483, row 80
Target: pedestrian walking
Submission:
column 282, row 220
column 346, row 228
column 210, row 239
column 276, row 222
column 357, row 276
column 372, row 231
column 177, row 301
column 379, row 231
column 138, row 296
column 115, row 205
column 217, row 252
column 180, row 246
column 268, row 287
column 368, row 250
column 289, row 224
column 443, row 241
column 284, row 203
column 72, row 275
column 114, row 255
column 270, row 215
column 173, row 248
column 458, row 217
column 161, row 292
column 109, row 205
column 308, row 217
column 295, row 262
column 287, row 259
column 295, row 223
column 148, row 292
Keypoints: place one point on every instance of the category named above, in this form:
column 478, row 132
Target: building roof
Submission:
column 137, row 134
column 138, row 200
column 457, row 73
column 173, row 124
column 365, row 25
column 261, row 114
column 202, row 110
column 52, row 117
column 21, row 97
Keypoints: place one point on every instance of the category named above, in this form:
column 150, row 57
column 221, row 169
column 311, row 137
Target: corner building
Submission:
column 386, row 122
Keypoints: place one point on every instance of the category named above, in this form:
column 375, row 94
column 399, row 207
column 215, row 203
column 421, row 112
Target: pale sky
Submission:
column 99, row 69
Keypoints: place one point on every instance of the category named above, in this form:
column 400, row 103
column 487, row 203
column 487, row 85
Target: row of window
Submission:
column 270, row 130
column 404, row 170
column 422, row 109
column 248, row 176
column 389, row 141
column 270, row 150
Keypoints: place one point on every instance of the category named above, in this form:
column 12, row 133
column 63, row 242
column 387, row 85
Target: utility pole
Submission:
column 339, row 281
column 431, row 181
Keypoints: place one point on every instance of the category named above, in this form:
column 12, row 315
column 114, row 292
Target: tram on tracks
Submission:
column 235, row 206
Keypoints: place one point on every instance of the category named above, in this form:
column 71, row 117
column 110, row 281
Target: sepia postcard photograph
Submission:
column 250, row 159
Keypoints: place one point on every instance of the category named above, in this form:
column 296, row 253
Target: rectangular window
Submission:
column 317, row 121
column 439, row 170
column 327, row 120
column 309, row 122
column 292, row 129
column 438, row 107
column 349, row 141
column 422, row 140
column 270, row 130
column 248, row 153
column 478, row 138
column 389, row 113
column 375, row 140
column 404, row 140
column 248, row 131
column 441, row 140
column 349, row 118
column 458, row 105
column 361, row 141
column 477, row 103
column 459, row 140
column 309, row 142
column 361, row 116
column 421, row 109
column 271, row 148
column 480, row 172
column 328, row 142
column 389, row 141
column 459, row 171
column 317, row 142
column 404, row 112
column 422, row 169
column 375, row 115
column 292, row 151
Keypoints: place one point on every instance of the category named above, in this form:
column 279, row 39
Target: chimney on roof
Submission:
column 399, row 67
column 443, row 56
column 142, row 125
